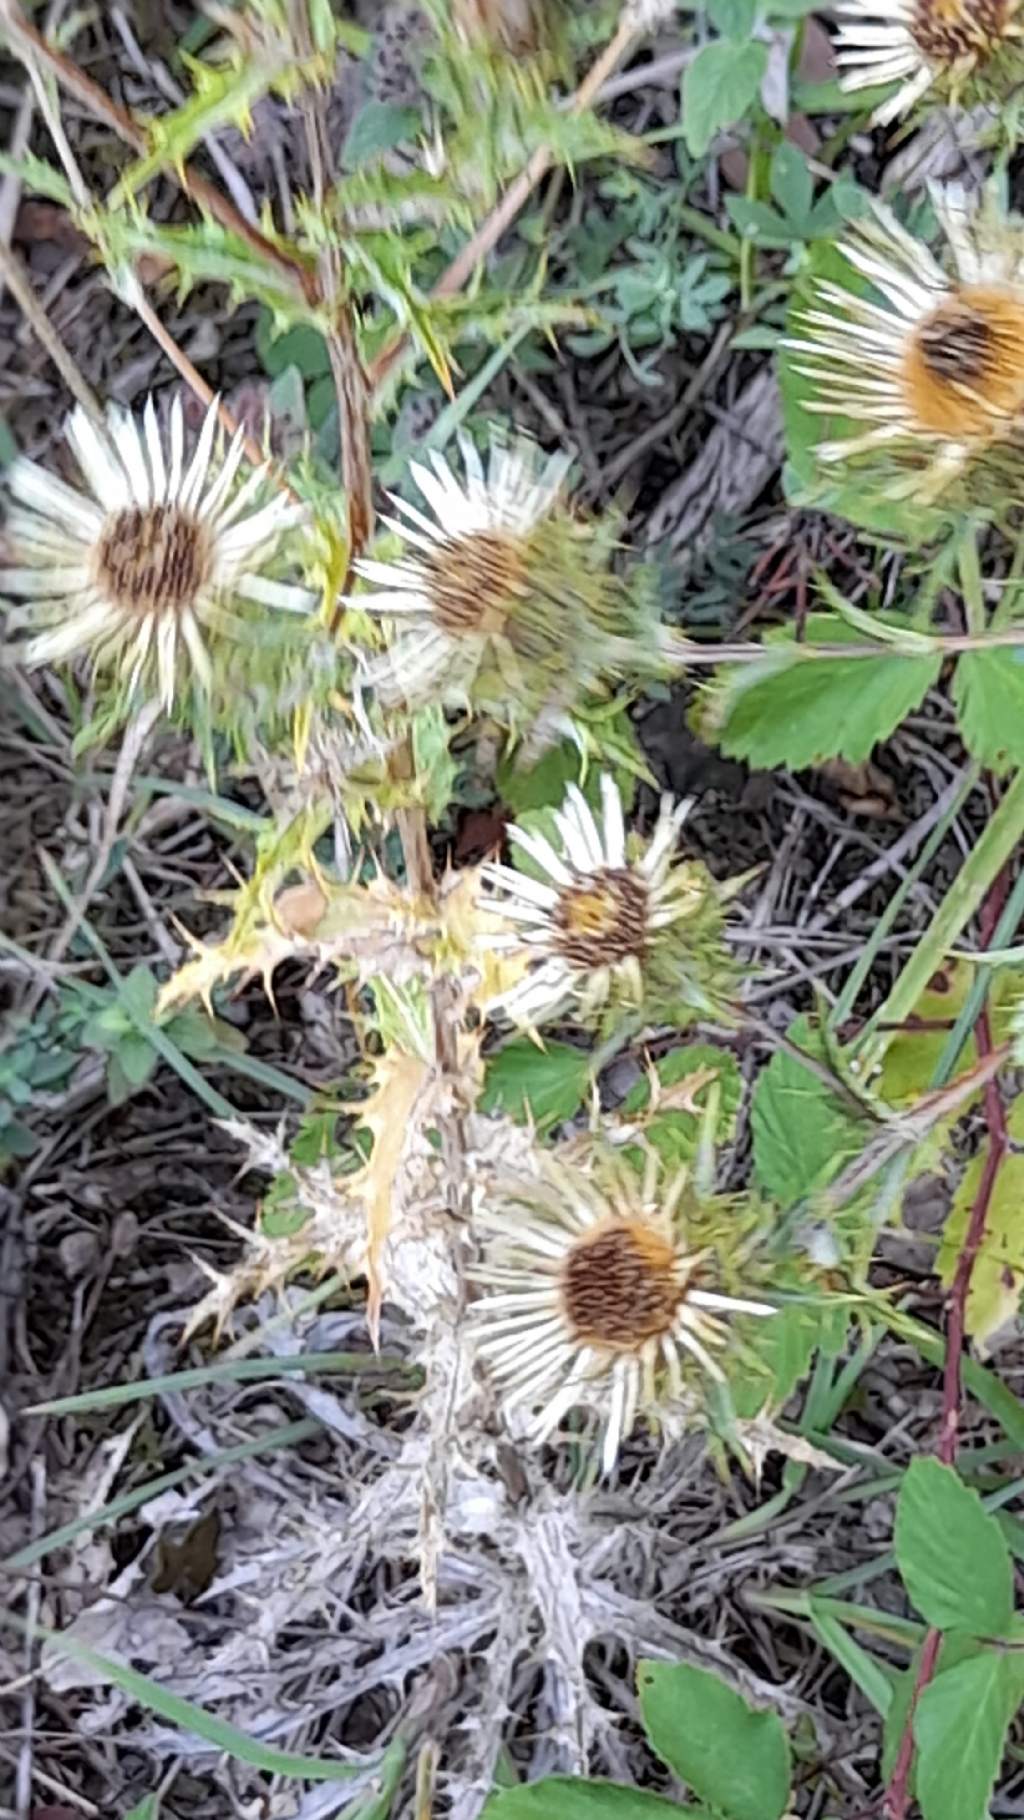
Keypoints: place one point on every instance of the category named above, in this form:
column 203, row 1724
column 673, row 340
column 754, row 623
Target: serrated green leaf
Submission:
column 803, row 1134
column 953, row 1560
column 955, row 1647
column 795, row 710
column 718, row 88
column 988, row 690
column 546, row 1084
column 997, row 1277
column 735, row 1759
column 960, row 1728
column 570, row 1798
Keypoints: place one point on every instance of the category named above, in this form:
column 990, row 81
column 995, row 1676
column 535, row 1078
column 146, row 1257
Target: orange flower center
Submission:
column 963, row 371
column 153, row 559
column 951, row 32
column 620, row 1286
column 603, row 919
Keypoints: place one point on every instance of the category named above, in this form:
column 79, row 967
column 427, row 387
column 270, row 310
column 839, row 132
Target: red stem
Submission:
column 897, row 1795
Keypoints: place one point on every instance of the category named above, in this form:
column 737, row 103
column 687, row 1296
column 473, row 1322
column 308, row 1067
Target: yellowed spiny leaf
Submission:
column 391, row 1115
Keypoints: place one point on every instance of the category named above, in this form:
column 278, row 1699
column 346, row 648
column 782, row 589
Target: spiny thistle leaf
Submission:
column 200, row 253
column 223, row 97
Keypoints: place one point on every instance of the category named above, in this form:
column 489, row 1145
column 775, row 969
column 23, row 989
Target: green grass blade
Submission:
column 1002, row 834
column 843, row 1007
column 220, row 807
column 286, row 1436
column 187, row 1716
column 263, row 1073
column 222, row 1371
column 867, row 1674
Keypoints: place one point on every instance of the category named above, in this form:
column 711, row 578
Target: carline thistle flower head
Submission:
column 589, row 1296
column 503, row 602
column 932, row 376
column 613, row 921
column 962, row 50
column 131, row 571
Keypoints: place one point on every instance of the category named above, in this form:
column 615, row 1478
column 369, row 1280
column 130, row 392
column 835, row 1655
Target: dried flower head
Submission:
column 509, row 604
column 590, row 1296
column 933, row 374
column 612, row 920
column 132, row 570
column 961, row 49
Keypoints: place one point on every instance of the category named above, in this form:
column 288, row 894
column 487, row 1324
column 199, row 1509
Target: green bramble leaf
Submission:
column 803, row 1134
column 547, row 1085
column 735, row 1759
column 795, row 710
column 997, row 1278
column 718, row 87
column 960, row 1729
column 951, row 1554
column 571, row 1798
column 988, row 690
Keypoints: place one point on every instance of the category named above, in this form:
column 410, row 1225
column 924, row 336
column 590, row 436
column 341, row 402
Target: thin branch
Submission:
column 203, row 391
